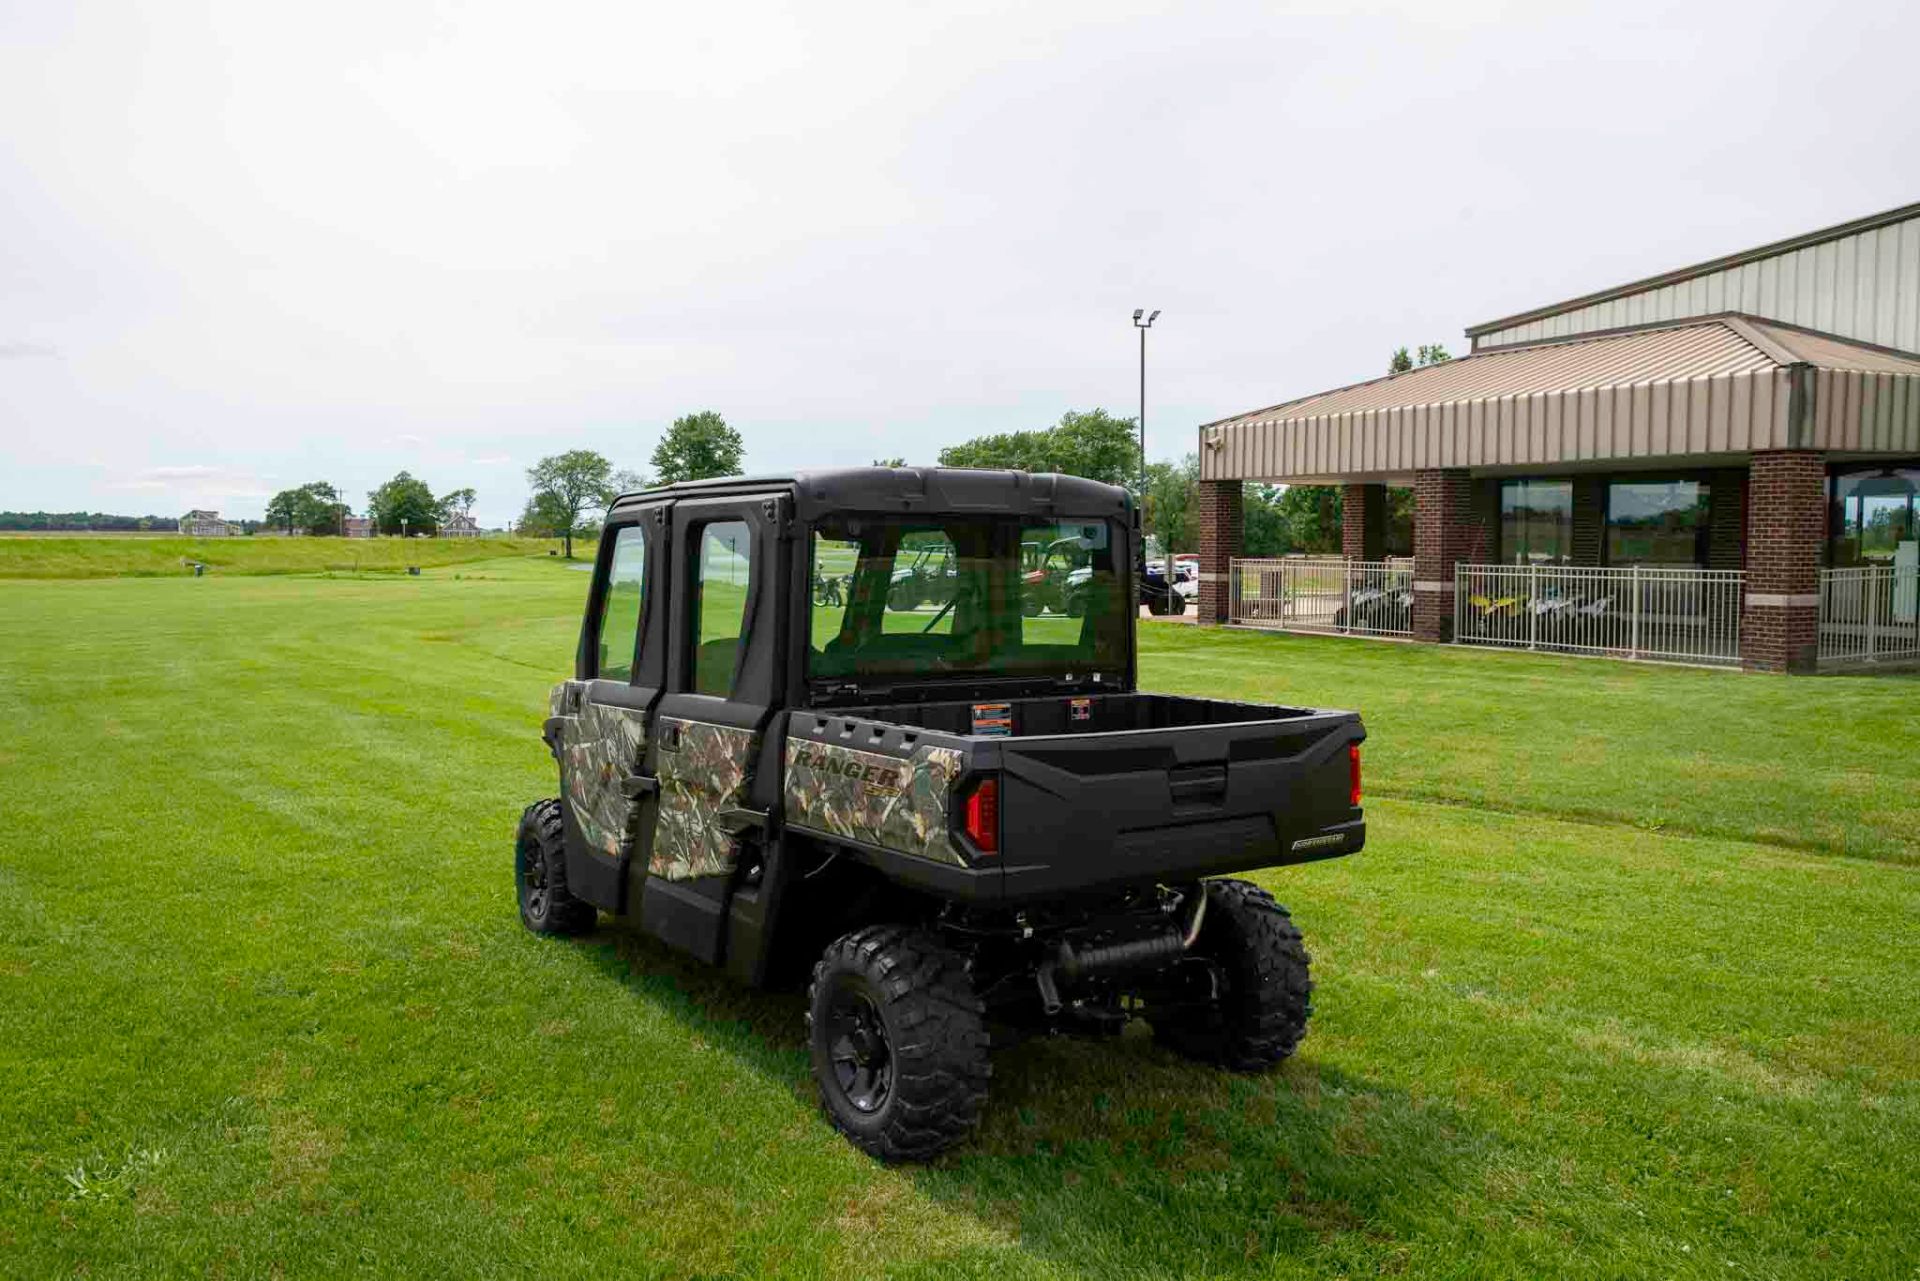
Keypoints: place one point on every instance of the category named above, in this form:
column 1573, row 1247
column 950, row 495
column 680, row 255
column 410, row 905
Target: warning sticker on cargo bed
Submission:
column 993, row 720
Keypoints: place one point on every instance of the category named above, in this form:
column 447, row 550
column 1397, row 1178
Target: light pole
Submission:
column 1143, row 326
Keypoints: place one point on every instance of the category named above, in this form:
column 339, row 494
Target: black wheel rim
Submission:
column 859, row 1049
column 533, row 884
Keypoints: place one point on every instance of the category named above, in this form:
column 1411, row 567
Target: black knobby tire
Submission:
column 1264, row 991
column 540, row 874
column 899, row 1042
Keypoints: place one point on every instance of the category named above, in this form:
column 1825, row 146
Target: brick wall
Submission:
column 1221, row 525
column 1451, row 524
column 1786, row 511
column 1363, row 522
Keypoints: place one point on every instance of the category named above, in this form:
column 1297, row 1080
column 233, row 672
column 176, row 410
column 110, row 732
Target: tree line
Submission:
column 84, row 522
column 1100, row 446
column 1278, row 519
column 569, row 489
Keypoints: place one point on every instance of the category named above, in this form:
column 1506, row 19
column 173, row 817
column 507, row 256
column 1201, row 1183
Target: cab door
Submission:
column 605, row 719
column 711, row 723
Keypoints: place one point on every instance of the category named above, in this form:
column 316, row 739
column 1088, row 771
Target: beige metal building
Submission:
column 1717, row 464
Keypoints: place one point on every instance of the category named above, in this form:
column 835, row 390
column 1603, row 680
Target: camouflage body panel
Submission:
column 896, row 803
column 706, row 775
column 600, row 746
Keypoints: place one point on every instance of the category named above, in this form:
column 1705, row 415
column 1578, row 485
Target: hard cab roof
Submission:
column 947, row 490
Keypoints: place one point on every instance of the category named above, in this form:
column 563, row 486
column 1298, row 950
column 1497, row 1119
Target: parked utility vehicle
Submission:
column 960, row 819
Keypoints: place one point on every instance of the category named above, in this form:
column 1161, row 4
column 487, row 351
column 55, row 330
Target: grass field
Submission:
column 163, row 557
column 1625, row 984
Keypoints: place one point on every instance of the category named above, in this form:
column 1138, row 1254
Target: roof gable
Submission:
column 1860, row 279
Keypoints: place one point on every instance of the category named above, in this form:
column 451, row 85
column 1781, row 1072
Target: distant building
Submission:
column 459, row 525
column 204, row 524
column 1744, row 432
column 357, row 526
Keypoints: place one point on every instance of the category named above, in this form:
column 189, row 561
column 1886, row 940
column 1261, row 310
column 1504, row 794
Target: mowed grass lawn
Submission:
column 114, row 556
column 1625, row 984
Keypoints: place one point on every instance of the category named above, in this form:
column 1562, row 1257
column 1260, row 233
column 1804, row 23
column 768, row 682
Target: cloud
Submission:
column 492, row 460
column 406, row 438
column 27, row 351
column 195, row 483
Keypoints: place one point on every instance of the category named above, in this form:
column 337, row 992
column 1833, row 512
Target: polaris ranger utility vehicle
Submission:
column 960, row 819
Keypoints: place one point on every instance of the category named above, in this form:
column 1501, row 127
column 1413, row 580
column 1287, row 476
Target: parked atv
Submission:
column 953, row 834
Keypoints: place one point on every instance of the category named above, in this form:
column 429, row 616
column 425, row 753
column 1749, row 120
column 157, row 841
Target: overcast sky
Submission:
column 247, row 245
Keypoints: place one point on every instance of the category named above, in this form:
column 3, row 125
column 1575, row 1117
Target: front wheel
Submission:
column 898, row 1041
column 1261, row 994
column 540, row 874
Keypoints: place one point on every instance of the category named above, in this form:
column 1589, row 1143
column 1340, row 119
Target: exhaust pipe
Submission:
column 1132, row 954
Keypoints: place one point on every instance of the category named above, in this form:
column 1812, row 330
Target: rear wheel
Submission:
column 540, row 874
column 1262, row 994
column 898, row 1043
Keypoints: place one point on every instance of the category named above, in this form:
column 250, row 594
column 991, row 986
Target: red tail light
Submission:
column 1353, row 775
column 981, row 818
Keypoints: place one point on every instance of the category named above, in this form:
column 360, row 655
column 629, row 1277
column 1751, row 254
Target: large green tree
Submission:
column 565, row 488
column 314, row 507
column 459, row 502
column 1172, row 507
column 544, row 517
column 1090, row 443
column 1312, row 513
column 698, row 446
column 404, row 505
column 1264, row 528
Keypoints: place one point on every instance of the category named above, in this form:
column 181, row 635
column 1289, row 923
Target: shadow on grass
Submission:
column 1118, row 1156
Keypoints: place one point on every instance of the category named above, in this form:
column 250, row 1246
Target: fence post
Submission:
column 1872, row 581
column 1346, row 596
column 1633, row 625
column 1533, row 604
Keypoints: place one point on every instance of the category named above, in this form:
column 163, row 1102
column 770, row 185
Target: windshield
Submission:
column 918, row 598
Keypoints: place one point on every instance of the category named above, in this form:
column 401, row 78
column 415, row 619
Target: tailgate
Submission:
column 1082, row 811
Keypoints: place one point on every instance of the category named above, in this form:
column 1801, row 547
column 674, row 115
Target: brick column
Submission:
column 1786, row 528
column 1449, row 527
column 1363, row 522
column 1221, row 525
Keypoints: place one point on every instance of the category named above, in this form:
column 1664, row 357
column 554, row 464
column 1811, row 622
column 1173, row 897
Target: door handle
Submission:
column 635, row 786
column 737, row 819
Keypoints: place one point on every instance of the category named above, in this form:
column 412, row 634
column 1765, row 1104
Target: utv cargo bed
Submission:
column 1114, row 789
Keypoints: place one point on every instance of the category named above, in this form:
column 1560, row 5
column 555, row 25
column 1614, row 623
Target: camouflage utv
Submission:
column 957, row 821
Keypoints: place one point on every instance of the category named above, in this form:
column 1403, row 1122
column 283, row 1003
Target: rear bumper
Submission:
column 1187, row 852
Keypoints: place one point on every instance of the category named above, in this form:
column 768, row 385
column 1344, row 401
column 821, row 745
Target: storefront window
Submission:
column 1657, row 522
column 1873, row 512
column 1399, row 521
column 1536, row 522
